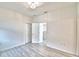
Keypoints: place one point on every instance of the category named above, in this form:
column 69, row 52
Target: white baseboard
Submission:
column 12, row 47
column 49, row 45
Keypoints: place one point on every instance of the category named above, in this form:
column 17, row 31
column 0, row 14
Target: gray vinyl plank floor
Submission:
column 33, row 50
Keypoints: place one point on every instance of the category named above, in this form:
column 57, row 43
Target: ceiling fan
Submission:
column 33, row 5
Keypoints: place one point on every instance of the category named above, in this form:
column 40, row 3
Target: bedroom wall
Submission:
column 77, row 29
column 12, row 28
column 60, row 28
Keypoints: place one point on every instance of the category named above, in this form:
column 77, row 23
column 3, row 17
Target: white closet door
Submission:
column 28, row 33
column 35, row 32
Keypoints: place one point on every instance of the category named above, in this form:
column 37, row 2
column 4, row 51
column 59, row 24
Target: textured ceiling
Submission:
column 24, row 9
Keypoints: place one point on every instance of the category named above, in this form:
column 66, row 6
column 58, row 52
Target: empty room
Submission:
column 39, row 29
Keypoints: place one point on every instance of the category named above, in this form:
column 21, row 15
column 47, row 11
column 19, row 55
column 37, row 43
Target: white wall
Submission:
column 61, row 28
column 12, row 23
column 77, row 29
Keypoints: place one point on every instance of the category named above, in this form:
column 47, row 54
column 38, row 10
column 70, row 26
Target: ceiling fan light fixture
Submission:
column 33, row 5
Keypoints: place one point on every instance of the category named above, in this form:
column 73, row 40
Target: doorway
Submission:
column 38, row 32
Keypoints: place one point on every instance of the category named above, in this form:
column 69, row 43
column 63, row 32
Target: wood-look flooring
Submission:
column 33, row 50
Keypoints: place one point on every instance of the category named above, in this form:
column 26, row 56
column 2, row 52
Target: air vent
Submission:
column 45, row 11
